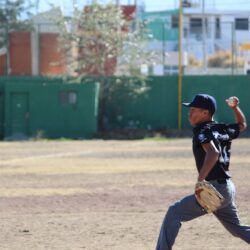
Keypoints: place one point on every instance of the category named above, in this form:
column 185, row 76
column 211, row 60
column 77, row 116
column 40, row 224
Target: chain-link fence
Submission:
column 215, row 48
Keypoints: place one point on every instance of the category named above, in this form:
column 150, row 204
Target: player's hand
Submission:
column 232, row 101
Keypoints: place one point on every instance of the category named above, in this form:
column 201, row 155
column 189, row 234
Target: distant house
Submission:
column 46, row 56
column 38, row 52
column 34, row 52
column 221, row 29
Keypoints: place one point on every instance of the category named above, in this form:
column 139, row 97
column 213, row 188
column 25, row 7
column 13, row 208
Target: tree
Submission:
column 101, row 41
column 13, row 17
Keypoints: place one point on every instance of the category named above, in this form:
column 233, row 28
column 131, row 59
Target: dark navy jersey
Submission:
column 222, row 136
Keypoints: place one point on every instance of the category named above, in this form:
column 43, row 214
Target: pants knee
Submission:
column 172, row 212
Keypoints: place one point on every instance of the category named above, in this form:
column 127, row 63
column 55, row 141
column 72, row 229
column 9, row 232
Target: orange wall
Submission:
column 20, row 53
column 51, row 61
column 2, row 64
column 21, row 57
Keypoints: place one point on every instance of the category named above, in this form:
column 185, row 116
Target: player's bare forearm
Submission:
column 233, row 103
column 240, row 118
column 211, row 158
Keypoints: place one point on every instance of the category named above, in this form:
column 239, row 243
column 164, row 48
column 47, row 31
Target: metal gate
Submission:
column 1, row 115
column 19, row 114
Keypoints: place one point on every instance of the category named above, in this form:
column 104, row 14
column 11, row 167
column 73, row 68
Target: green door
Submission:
column 1, row 115
column 19, row 114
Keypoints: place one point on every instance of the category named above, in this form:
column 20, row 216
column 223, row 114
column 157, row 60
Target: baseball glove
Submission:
column 207, row 196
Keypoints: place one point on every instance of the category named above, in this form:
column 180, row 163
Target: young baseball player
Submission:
column 211, row 149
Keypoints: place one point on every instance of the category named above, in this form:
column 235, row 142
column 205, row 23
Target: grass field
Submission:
column 107, row 195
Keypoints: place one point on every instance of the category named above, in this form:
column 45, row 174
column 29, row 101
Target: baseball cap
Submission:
column 203, row 101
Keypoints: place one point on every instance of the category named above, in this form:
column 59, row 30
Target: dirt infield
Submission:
column 107, row 195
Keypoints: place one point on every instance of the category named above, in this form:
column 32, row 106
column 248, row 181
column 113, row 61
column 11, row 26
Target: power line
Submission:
column 221, row 4
column 232, row 3
column 206, row 4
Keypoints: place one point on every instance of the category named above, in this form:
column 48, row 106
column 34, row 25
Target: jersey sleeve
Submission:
column 203, row 136
column 233, row 130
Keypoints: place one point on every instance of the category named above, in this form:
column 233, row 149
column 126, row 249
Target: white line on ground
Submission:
column 46, row 156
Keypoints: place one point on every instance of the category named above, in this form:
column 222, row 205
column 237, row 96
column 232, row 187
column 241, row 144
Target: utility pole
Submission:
column 180, row 67
column 234, row 61
column 163, row 46
column 204, row 37
column 37, row 6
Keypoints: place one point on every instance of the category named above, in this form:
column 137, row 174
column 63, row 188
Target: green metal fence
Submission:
column 54, row 108
column 157, row 107
column 1, row 110
column 40, row 107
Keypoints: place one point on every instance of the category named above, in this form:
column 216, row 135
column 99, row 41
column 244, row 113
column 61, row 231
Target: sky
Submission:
column 150, row 5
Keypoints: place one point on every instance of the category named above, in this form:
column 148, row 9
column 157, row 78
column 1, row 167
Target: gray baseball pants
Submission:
column 188, row 209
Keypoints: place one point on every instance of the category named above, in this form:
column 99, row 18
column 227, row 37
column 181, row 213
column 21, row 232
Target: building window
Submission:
column 185, row 32
column 241, row 23
column 67, row 97
column 217, row 28
column 186, row 4
column 174, row 22
column 196, row 25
